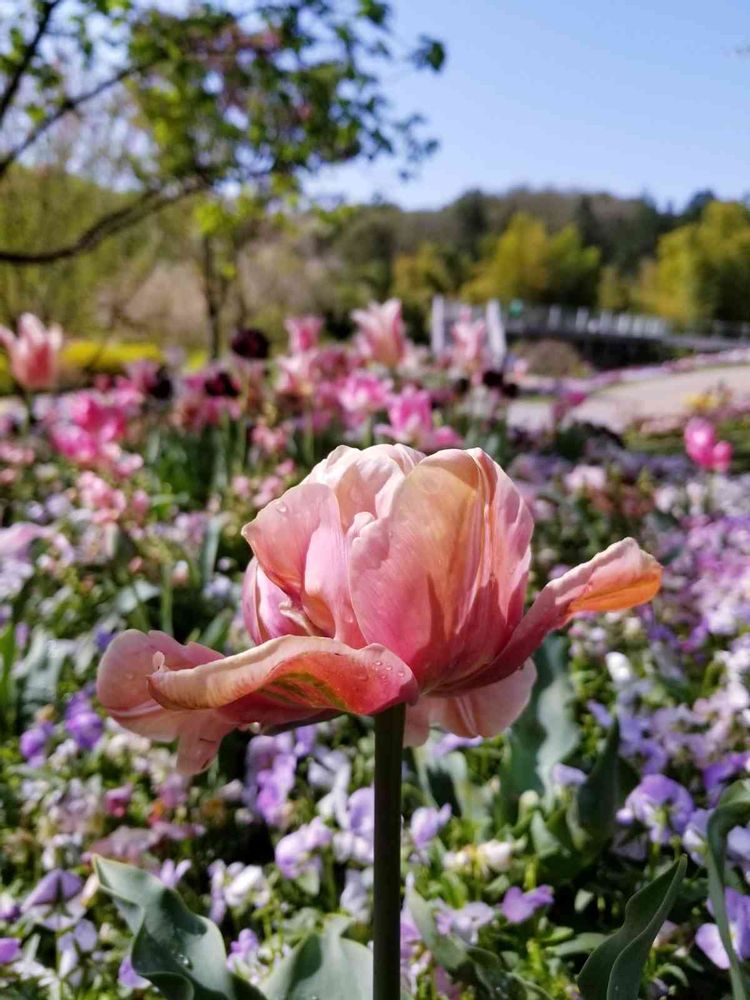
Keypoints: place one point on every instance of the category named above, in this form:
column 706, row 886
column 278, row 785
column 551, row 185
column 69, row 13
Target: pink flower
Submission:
column 304, row 332
column 361, row 394
column 410, row 416
column 107, row 503
column 381, row 332
column 384, row 577
column 701, row 445
column 34, row 352
column 469, row 338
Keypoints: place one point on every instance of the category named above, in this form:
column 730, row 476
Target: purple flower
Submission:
column 33, row 743
column 127, row 976
column 295, row 852
column 426, row 823
column 170, row 873
column 566, row 776
column 57, row 886
column 708, row 938
column 694, row 836
column 518, row 906
column 82, row 722
column 244, row 950
column 721, row 770
column 464, row 922
column 103, row 637
column 662, row 805
column 10, row 949
column 451, row 742
column 117, row 800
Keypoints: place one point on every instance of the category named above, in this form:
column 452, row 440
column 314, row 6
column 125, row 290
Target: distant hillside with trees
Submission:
column 545, row 246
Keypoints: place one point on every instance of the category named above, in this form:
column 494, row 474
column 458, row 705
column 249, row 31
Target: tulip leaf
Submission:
column 733, row 810
column 447, row 780
column 614, row 971
column 181, row 953
column 604, row 791
column 326, row 966
column 545, row 733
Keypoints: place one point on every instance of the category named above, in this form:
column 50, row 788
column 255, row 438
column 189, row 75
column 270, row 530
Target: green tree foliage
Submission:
column 702, row 269
column 530, row 264
column 256, row 94
column 417, row 277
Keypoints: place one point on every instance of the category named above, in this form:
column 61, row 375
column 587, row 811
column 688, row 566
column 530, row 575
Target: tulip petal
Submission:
column 122, row 689
column 485, row 711
column 440, row 579
column 289, row 678
column 300, row 545
column 622, row 576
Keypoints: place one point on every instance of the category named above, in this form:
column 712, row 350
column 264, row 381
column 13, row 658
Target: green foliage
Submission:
column 615, row 969
column 530, row 264
column 213, row 94
column 546, row 733
column 702, row 269
column 180, row 953
column 325, row 965
column 733, row 810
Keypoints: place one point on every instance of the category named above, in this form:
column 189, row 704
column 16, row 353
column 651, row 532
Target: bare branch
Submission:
column 110, row 224
column 67, row 106
column 16, row 78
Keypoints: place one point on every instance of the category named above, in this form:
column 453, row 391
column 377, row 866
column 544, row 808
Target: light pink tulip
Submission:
column 381, row 332
column 411, row 422
column 304, row 332
column 701, row 445
column 384, row 577
column 469, row 338
column 34, row 352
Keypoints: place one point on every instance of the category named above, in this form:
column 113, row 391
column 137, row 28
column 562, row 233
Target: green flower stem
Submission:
column 389, row 740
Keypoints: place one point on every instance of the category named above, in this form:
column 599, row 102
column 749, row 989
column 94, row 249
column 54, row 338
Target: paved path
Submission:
column 618, row 406
column 663, row 396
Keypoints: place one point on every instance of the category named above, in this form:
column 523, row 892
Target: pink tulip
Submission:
column 411, row 422
column 701, row 445
column 384, row 577
column 34, row 352
column 304, row 332
column 469, row 338
column 381, row 332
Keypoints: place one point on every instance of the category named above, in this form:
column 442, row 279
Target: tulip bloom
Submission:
column 701, row 445
column 385, row 577
column 33, row 352
column 304, row 333
column 381, row 332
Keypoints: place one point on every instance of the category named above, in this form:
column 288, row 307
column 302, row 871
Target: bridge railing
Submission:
column 575, row 324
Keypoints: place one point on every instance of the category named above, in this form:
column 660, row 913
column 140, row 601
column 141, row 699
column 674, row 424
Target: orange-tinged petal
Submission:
column 272, row 683
column 622, row 576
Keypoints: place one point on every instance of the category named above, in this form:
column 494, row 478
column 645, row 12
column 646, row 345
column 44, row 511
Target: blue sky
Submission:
column 620, row 95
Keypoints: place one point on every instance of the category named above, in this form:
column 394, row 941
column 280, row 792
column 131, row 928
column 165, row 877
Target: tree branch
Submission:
column 146, row 204
column 68, row 105
column 14, row 82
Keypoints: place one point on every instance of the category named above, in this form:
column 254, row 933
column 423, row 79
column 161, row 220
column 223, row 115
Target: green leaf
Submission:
column 324, row 966
column 615, row 969
column 446, row 780
column 733, row 810
column 546, row 733
column 181, row 953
